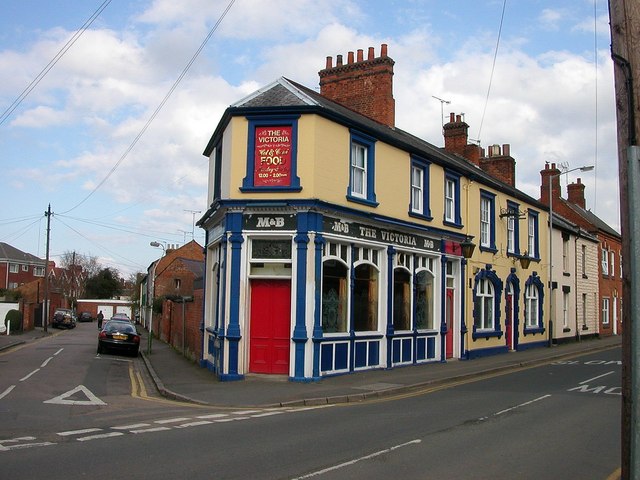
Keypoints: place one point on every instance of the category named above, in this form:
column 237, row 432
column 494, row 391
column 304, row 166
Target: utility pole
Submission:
column 45, row 303
column 624, row 19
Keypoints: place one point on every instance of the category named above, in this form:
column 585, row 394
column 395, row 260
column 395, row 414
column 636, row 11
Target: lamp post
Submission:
column 585, row 168
column 153, row 295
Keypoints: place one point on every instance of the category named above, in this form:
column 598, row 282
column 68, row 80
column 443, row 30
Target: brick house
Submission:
column 18, row 267
column 609, row 304
column 175, row 282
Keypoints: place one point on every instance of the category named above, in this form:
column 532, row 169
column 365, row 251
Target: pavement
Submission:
column 177, row 378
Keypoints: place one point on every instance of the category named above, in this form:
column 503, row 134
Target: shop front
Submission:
column 309, row 294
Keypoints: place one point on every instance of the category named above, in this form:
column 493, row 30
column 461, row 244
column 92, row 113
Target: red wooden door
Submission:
column 509, row 321
column 270, row 326
column 450, row 329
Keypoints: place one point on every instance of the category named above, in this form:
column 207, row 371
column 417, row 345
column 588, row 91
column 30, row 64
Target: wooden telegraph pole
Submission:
column 625, row 51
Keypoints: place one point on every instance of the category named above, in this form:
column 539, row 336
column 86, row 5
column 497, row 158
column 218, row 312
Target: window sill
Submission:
column 362, row 201
column 421, row 216
column 487, row 334
column 492, row 250
column 449, row 223
column 533, row 331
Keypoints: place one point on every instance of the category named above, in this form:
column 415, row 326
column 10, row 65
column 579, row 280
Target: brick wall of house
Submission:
column 178, row 324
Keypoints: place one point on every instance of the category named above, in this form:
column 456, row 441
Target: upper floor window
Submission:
column 620, row 255
column 38, row 271
column 487, row 221
column 583, row 261
column 612, row 267
column 420, row 189
column 362, row 170
column 272, row 151
column 565, row 252
column 513, row 228
column 452, row 199
column 14, row 268
column 533, row 234
column 25, row 268
column 177, row 283
column 605, row 261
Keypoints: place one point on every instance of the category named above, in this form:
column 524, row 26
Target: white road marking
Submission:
column 150, row 430
column 172, row 420
column 58, row 352
column 230, row 419
column 265, row 414
column 595, row 378
column 7, row 391
column 44, row 364
column 78, row 432
column 214, row 415
column 62, row 399
column 32, row 373
column 517, row 406
column 194, row 424
column 131, row 427
column 356, row 460
column 24, row 445
column 102, row 435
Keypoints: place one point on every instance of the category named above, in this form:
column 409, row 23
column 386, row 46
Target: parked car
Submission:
column 85, row 317
column 121, row 316
column 63, row 318
column 119, row 335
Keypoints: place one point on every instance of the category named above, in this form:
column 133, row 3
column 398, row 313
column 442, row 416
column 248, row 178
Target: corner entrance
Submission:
column 270, row 326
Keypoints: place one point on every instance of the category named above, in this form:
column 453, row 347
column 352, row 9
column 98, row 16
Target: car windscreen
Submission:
column 111, row 327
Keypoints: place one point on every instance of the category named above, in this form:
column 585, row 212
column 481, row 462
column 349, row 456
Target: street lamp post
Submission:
column 153, row 297
column 585, row 168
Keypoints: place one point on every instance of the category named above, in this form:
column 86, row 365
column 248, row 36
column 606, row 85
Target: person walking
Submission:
column 100, row 318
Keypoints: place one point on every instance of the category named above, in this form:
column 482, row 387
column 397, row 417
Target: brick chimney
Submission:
column 576, row 194
column 500, row 164
column 365, row 86
column 456, row 139
column 546, row 174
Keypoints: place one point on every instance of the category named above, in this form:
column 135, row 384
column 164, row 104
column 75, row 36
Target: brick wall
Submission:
column 178, row 324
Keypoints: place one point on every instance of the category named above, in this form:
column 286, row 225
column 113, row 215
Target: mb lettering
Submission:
column 270, row 222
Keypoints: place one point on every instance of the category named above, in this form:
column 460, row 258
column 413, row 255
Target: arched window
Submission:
column 401, row 299
column 334, row 297
column 484, row 318
column 533, row 301
column 365, row 298
column 424, row 300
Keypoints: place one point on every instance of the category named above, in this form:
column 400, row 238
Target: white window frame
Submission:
column 531, row 235
column 417, row 189
column 565, row 309
column 359, row 172
column 612, row 263
column 450, row 200
column 485, row 222
column 14, row 268
column 485, row 291
column 606, row 320
column 531, row 309
column 605, row 262
column 511, row 234
column 38, row 271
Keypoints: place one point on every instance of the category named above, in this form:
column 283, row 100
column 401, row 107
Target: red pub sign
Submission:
column 272, row 157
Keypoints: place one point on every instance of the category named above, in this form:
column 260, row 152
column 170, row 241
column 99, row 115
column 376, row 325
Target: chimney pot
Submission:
column 458, row 118
column 383, row 50
column 452, row 117
column 350, row 58
column 360, row 55
column 338, row 60
column 329, row 63
column 506, row 150
column 371, row 54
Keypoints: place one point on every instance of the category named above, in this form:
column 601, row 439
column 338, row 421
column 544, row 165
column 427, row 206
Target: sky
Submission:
column 106, row 109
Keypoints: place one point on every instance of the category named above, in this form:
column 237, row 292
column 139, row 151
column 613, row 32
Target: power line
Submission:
column 10, row 109
column 157, row 110
column 493, row 67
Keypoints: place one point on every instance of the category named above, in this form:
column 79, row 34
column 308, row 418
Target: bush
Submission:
column 14, row 318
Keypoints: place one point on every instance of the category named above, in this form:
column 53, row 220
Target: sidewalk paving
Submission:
column 180, row 379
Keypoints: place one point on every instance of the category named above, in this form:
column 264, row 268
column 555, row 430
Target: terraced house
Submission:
column 337, row 242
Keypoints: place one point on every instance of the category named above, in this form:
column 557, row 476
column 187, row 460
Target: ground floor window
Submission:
column 605, row 311
column 334, row 297
column 484, row 318
column 424, row 300
column 401, row 299
column 365, row 298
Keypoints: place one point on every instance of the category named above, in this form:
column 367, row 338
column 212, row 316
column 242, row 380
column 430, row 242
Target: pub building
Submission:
column 335, row 241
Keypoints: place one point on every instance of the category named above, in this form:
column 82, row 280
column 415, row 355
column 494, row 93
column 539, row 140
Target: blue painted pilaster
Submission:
column 390, row 330
column 317, row 319
column 300, row 329
column 443, row 307
column 233, row 331
column 463, row 313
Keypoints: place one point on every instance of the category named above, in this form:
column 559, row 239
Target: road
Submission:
column 557, row 421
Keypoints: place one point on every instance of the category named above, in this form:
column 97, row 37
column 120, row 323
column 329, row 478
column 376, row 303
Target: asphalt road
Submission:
column 558, row 421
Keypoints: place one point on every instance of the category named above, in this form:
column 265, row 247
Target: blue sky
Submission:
column 67, row 144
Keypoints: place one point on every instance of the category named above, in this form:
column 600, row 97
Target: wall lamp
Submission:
column 467, row 247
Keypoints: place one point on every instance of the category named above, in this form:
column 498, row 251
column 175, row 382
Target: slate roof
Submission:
column 285, row 94
column 9, row 253
column 593, row 219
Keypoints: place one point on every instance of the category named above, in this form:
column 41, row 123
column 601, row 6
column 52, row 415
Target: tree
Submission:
column 105, row 284
column 76, row 270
